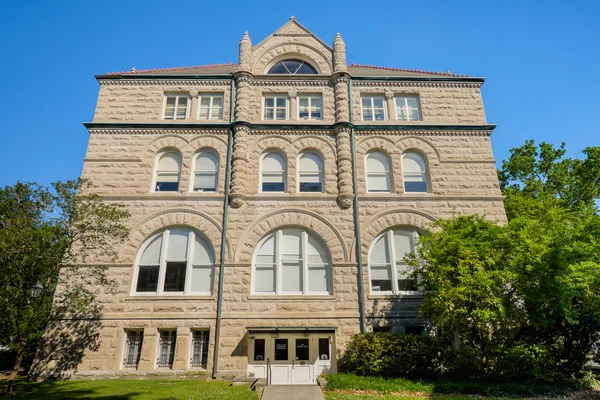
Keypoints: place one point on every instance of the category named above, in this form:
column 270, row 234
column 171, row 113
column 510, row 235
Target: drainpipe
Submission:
column 358, row 246
column 224, row 232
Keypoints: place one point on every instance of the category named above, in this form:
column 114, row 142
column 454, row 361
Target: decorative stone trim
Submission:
column 428, row 132
column 239, row 168
column 294, row 82
column 344, row 164
column 164, row 81
column 100, row 160
column 361, row 83
column 158, row 131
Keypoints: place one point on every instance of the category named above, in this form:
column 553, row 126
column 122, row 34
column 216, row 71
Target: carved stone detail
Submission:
column 239, row 167
column 344, row 164
column 242, row 103
column 339, row 54
column 342, row 100
column 245, row 57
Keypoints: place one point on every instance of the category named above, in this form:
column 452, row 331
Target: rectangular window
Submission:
column 302, row 351
column 324, row 349
column 176, row 106
column 310, row 108
column 147, row 278
column 175, row 277
column 281, row 349
column 259, row 349
column 373, row 108
column 166, row 352
column 381, row 279
column 210, row 107
column 407, row 108
column 273, row 182
column 200, row 349
column 133, row 348
column 275, row 108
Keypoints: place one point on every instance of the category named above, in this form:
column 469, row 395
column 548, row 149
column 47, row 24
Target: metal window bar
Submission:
column 167, row 350
column 133, row 349
column 200, row 350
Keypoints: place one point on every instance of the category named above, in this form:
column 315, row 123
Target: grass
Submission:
column 352, row 387
column 133, row 390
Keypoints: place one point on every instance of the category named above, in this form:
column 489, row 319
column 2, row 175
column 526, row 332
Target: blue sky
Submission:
column 541, row 60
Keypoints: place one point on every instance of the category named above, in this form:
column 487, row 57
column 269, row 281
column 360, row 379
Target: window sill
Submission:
column 305, row 297
column 392, row 296
column 184, row 297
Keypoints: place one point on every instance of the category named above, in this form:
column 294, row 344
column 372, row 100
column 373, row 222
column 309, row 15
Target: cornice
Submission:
column 403, row 82
column 300, row 83
column 165, row 82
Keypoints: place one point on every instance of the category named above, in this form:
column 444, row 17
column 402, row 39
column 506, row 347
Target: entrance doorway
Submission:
column 290, row 358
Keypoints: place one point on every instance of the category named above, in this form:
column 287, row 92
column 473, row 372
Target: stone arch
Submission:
column 174, row 141
column 291, row 217
column 325, row 149
column 216, row 144
column 384, row 145
column 385, row 220
column 172, row 217
column 316, row 57
column 421, row 145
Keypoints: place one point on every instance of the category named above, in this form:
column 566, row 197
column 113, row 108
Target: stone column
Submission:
column 239, row 167
column 181, row 360
column 391, row 111
column 339, row 54
column 342, row 106
column 293, row 106
column 242, row 96
column 194, row 104
column 245, row 55
column 149, row 346
column 344, row 164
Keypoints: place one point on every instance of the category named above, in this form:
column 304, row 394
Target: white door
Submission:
column 302, row 367
column 323, row 363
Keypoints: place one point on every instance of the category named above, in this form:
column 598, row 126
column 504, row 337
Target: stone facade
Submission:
column 128, row 131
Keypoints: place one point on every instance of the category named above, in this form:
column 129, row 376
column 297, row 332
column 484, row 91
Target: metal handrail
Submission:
column 268, row 371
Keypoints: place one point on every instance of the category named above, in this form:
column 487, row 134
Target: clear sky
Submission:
column 541, row 59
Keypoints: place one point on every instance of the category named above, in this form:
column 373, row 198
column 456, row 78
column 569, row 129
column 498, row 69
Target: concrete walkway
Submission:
column 292, row 392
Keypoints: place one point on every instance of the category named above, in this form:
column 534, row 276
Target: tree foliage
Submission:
column 45, row 233
column 526, row 294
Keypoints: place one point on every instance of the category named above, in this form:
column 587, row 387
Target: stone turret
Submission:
column 339, row 54
column 245, row 58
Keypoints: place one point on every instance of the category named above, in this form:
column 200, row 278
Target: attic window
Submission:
column 292, row 67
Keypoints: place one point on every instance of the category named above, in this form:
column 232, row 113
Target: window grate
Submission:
column 167, row 349
column 200, row 349
column 133, row 349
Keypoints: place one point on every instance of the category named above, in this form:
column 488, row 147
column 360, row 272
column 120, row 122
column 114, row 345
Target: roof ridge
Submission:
column 145, row 71
column 419, row 71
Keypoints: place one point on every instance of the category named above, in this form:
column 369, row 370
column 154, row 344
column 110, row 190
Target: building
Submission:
column 276, row 165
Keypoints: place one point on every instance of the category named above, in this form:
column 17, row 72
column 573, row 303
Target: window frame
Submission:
column 310, row 98
column 321, row 171
column 275, row 107
column 199, row 332
column 372, row 98
column 139, row 333
column 177, row 97
column 261, row 171
column 211, row 96
column 424, row 173
column 305, row 266
column 406, row 107
column 302, row 62
column 162, row 268
column 388, row 173
column 392, row 262
column 159, row 155
column 170, row 333
column 194, row 171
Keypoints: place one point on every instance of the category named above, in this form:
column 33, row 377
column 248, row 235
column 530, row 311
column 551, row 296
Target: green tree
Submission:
column 44, row 234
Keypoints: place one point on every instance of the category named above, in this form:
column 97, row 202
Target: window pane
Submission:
column 205, row 182
column 381, row 279
column 403, row 243
column 378, row 183
column 310, row 187
column 216, row 113
column 302, row 350
column 412, row 162
column 182, row 102
column 280, row 102
column 264, row 279
column 269, row 101
column 202, row 252
column 324, row 349
column 259, row 349
column 366, row 102
column 281, row 349
column 291, row 277
column 169, row 162
column 418, row 187
column 380, row 252
column 272, row 187
column 402, row 114
column 412, row 102
column 273, row 162
column 201, row 279
column 147, row 278
column 167, row 186
column 268, row 246
column 203, row 113
column 317, row 251
column 175, row 277
column 414, row 115
column 171, row 101
column 377, row 162
column 310, row 162
column 291, row 241
column 368, row 114
column 280, row 114
column 403, row 272
column 379, row 115
column 151, row 254
column 303, row 102
column 178, row 239
column 378, row 102
column 317, row 279
column 269, row 114
column 414, row 330
column 217, row 101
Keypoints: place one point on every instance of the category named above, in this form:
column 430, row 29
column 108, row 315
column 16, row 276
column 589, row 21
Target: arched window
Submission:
column 175, row 261
column 310, row 172
column 414, row 172
column 292, row 67
column 167, row 172
column 206, row 171
column 378, row 172
column 387, row 268
column 272, row 173
column 291, row 261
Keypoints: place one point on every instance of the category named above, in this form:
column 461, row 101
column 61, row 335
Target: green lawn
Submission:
column 133, row 390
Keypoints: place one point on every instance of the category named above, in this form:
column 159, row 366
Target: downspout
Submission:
column 358, row 243
column 224, row 232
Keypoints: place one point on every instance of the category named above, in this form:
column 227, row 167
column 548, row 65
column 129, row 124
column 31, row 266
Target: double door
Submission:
column 293, row 359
